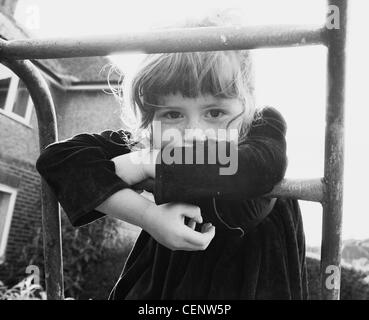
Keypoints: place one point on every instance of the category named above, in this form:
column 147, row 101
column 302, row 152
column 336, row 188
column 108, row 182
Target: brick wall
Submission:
column 27, row 211
column 86, row 111
column 19, row 141
column 77, row 111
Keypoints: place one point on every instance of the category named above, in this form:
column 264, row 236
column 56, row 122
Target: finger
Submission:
column 205, row 227
column 200, row 245
column 200, row 239
column 188, row 247
column 194, row 213
column 192, row 224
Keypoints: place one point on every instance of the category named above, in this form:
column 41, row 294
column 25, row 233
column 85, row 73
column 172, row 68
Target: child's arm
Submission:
column 136, row 166
column 262, row 163
column 82, row 175
column 80, row 172
column 165, row 223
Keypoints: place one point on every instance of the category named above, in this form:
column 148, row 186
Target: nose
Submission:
column 194, row 131
column 191, row 135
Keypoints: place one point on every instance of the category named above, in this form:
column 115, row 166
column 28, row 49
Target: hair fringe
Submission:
column 220, row 73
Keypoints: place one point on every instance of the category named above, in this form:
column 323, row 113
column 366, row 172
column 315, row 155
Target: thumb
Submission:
column 194, row 213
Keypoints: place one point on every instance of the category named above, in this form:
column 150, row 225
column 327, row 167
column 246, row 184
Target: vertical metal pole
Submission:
column 46, row 118
column 334, row 156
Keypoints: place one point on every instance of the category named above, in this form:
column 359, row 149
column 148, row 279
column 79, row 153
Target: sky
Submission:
column 291, row 79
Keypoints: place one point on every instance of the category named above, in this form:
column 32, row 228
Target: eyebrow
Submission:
column 168, row 107
column 161, row 106
column 204, row 106
column 215, row 104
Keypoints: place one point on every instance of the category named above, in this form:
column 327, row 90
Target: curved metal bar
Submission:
column 46, row 118
column 167, row 40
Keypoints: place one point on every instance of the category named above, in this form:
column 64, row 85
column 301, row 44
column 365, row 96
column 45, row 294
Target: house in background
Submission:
column 78, row 87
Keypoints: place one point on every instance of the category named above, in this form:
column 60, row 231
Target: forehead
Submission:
column 178, row 100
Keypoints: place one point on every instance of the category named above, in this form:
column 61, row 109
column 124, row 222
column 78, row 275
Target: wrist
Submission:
column 148, row 215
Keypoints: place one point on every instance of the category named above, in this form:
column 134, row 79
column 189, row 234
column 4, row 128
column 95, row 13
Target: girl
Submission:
column 204, row 235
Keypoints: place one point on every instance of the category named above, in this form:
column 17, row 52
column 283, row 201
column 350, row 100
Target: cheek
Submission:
column 156, row 134
column 234, row 129
column 236, row 124
column 228, row 125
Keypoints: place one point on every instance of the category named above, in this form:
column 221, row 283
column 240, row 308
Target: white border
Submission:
column 8, row 218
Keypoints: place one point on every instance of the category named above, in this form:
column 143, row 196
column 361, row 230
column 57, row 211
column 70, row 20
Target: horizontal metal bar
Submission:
column 166, row 40
column 300, row 189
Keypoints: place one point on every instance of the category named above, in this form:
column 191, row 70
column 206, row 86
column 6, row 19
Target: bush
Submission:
column 354, row 285
column 24, row 290
column 93, row 257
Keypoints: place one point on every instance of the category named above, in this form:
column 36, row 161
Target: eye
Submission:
column 215, row 113
column 172, row 115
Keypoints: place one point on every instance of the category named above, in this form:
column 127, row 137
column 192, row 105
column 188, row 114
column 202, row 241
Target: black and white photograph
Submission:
column 198, row 151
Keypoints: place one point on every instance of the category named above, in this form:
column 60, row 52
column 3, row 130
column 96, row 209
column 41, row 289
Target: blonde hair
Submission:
column 222, row 74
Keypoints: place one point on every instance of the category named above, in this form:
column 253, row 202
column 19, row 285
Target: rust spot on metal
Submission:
column 224, row 39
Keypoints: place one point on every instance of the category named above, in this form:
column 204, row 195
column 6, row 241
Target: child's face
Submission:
column 205, row 112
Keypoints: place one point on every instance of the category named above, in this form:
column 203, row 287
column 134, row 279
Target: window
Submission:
column 7, row 201
column 15, row 100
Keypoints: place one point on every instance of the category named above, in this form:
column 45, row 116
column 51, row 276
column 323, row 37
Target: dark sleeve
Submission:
column 81, row 174
column 262, row 163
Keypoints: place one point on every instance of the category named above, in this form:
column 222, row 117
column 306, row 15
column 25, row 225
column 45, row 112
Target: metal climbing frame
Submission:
column 327, row 190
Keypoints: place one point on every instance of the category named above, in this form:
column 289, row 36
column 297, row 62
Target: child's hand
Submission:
column 165, row 223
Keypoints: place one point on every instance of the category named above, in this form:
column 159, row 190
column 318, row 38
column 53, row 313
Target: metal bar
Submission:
column 334, row 158
column 45, row 111
column 169, row 40
column 300, row 189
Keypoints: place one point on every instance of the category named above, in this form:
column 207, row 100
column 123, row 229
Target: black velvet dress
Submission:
column 252, row 255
